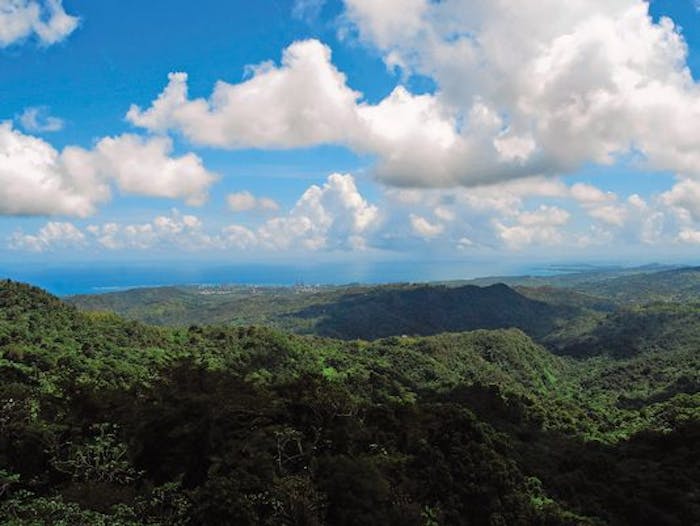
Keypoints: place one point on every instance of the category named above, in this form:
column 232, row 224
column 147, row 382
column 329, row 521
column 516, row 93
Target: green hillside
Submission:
column 108, row 421
column 676, row 285
column 632, row 330
column 348, row 312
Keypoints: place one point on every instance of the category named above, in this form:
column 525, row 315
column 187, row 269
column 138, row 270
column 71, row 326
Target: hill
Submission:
column 676, row 285
column 540, row 306
column 633, row 330
column 343, row 312
column 109, row 421
column 619, row 286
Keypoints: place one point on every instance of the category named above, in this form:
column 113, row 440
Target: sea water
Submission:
column 95, row 278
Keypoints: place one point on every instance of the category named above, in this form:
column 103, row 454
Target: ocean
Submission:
column 93, row 278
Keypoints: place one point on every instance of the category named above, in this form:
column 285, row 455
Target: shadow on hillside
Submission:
column 428, row 310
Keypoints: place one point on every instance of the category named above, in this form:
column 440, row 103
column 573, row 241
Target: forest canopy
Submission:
column 110, row 421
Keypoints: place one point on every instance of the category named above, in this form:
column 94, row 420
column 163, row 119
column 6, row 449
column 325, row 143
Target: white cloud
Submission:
column 239, row 237
column 610, row 214
column 445, row 214
column 303, row 102
column 541, row 227
column 511, row 214
column 44, row 19
column 37, row 120
column 144, row 166
column 424, row 228
column 688, row 236
column 35, row 179
column 388, row 21
column 583, row 81
column 247, row 202
column 465, row 243
column 544, row 216
column 684, row 199
column 173, row 230
column 52, row 235
column 590, row 195
column 106, row 235
column 521, row 90
column 334, row 215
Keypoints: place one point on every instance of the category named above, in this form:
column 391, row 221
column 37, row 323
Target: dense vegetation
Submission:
column 353, row 312
column 543, row 307
column 108, row 421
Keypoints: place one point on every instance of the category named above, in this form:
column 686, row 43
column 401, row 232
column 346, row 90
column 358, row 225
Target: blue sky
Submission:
column 349, row 130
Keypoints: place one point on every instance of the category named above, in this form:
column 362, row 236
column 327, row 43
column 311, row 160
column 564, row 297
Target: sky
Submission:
column 349, row 131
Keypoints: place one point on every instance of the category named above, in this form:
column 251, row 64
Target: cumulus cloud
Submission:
column 173, row 230
column 684, row 199
column 424, row 228
column 52, row 235
column 590, row 195
column 334, row 215
column 36, row 179
column 306, row 102
column 239, row 237
column 521, row 90
column 610, row 214
column 303, row 102
column 464, row 243
column 144, row 166
column 247, row 202
column 518, row 215
column 541, row 226
column 44, row 19
column 564, row 83
column 37, row 120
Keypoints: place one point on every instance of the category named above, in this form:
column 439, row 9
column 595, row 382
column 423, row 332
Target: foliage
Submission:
column 342, row 312
column 108, row 421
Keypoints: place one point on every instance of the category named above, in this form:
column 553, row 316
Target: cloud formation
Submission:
column 541, row 227
column 303, row 102
column 518, row 216
column 37, row 120
column 174, row 230
column 247, row 202
column 46, row 20
column 36, row 179
column 544, row 88
column 521, row 90
column 144, row 166
column 424, row 228
column 52, row 235
column 333, row 216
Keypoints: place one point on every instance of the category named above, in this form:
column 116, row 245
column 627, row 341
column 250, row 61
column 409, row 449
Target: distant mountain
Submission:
column 347, row 312
column 615, row 285
column 676, row 285
column 568, row 276
column 425, row 310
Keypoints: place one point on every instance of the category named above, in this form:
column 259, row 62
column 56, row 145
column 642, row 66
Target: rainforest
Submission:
column 555, row 404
